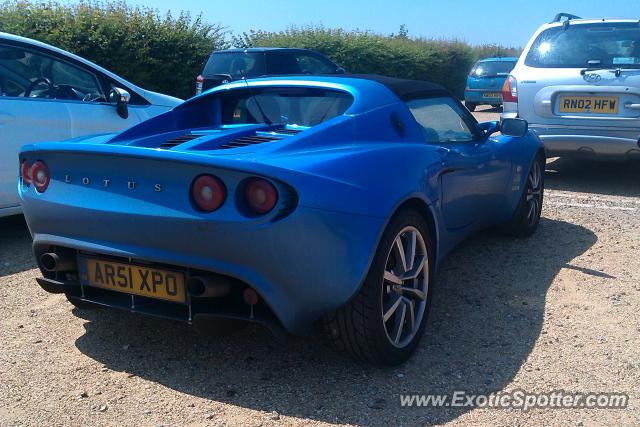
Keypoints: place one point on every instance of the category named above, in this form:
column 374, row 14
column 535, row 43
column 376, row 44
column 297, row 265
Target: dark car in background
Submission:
column 485, row 81
column 227, row 65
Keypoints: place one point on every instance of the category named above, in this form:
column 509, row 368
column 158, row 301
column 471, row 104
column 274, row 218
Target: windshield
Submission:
column 283, row 106
column 602, row 45
column 492, row 68
column 235, row 64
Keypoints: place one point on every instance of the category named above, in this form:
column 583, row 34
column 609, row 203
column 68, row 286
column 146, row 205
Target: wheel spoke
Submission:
column 411, row 250
column 533, row 208
column 533, row 195
column 412, row 314
column 398, row 250
column 392, row 309
column 389, row 276
column 413, row 293
column 398, row 327
column 534, row 176
column 416, row 270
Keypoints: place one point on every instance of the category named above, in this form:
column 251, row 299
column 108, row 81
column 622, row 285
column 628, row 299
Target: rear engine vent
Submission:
column 243, row 141
column 170, row 143
column 286, row 131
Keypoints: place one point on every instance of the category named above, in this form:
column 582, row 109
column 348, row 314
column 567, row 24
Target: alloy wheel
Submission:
column 534, row 193
column 405, row 287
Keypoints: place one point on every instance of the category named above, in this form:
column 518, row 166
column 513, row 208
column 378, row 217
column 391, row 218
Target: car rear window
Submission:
column 604, row 44
column 283, row 105
column 235, row 64
column 492, row 68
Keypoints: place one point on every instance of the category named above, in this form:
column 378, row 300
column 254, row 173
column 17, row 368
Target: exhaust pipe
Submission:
column 53, row 262
column 206, row 287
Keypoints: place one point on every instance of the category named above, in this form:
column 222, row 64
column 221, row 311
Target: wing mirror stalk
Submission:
column 120, row 98
column 508, row 127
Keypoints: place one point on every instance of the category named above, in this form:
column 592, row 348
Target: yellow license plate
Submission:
column 492, row 95
column 588, row 104
column 135, row 279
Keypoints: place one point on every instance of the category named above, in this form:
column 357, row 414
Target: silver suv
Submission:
column 577, row 83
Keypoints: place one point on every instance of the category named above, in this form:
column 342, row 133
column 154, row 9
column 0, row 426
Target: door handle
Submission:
column 632, row 106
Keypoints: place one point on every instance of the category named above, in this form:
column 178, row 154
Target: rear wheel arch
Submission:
column 423, row 208
column 359, row 327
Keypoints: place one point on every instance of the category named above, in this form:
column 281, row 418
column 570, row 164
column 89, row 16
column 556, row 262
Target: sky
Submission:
column 509, row 23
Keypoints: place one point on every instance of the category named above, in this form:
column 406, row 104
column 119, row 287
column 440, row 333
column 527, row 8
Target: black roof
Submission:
column 403, row 88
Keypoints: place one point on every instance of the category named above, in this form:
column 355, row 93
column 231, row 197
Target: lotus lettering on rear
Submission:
column 106, row 183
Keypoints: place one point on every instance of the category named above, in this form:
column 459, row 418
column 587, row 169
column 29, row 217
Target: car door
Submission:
column 47, row 97
column 23, row 119
column 475, row 169
column 86, row 95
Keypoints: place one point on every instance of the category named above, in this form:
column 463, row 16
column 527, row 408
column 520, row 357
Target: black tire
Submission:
column 526, row 218
column 358, row 328
column 82, row 304
column 471, row 106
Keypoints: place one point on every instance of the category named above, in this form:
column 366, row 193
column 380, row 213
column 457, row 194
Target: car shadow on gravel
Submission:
column 487, row 314
column 595, row 177
column 15, row 246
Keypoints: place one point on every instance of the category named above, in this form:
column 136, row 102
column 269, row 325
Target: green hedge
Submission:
column 443, row 61
column 162, row 53
column 165, row 53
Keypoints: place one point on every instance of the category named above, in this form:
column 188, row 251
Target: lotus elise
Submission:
column 283, row 201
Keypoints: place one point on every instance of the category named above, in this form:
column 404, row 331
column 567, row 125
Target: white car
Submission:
column 577, row 83
column 48, row 94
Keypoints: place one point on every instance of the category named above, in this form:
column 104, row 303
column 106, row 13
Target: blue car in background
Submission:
column 281, row 201
column 485, row 82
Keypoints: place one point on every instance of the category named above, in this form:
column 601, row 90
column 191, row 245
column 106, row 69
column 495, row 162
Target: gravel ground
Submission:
column 555, row 311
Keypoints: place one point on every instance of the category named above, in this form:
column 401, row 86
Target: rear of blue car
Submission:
column 485, row 82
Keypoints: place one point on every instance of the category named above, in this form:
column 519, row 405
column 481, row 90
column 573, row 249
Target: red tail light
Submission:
column 25, row 172
column 40, row 176
column 510, row 90
column 199, row 82
column 208, row 193
column 261, row 196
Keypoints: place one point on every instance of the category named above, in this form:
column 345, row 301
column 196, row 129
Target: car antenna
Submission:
column 253, row 95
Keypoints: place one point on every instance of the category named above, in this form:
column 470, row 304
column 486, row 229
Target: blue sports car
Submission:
column 283, row 201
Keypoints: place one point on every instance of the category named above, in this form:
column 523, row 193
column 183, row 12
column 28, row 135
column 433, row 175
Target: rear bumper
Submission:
column 611, row 143
column 195, row 311
column 476, row 95
column 302, row 266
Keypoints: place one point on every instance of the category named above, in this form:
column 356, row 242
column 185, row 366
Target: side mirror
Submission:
column 514, row 127
column 120, row 98
column 340, row 70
